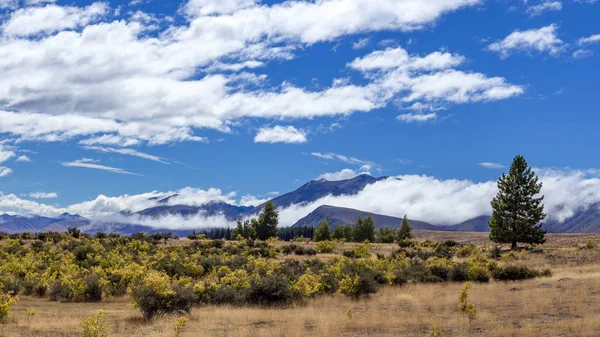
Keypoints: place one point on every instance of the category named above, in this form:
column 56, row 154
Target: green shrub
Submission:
column 95, row 326
column 325, row 246
column 466, row 250
column 270, row 290
column 7, row 300
column 154, row 295
column 513, row 273
column 361, row 284
column 478, row 273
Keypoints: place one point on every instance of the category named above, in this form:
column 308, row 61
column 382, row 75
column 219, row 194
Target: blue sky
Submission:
column 259, row 97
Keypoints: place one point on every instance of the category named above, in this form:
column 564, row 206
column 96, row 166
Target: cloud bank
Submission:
column 422, row 197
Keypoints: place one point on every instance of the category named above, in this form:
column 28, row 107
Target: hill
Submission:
column 339, row 216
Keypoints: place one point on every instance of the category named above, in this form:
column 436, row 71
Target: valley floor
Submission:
column 566, row 304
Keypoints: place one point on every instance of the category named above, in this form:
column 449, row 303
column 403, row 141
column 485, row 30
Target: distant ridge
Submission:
column 340, row 216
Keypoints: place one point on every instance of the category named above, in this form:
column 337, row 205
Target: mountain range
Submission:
column 584, row 221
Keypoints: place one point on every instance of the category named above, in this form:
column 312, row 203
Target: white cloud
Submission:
column 532, row 40
column 43, row 195
column 23, row 159
column 5, row 153
column 129, row 152
column 543, row 7
column 5, row 171
column 398, row 58
column 345, row 159
column 280, row 134
column 416, row 118
column 360, row 44
column 251, row 200
column 51, row 18
column 208, row 7
column 582, row 53
column 491, row 165
column 110, row 83
column 345, row 174
column 590, row 39
column 87, row 163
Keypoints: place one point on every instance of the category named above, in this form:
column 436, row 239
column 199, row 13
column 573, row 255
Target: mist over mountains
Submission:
column 340, row 202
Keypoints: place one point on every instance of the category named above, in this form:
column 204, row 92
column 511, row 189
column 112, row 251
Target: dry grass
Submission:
column 568, row 308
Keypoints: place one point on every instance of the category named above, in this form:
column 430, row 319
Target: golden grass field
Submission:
column 570, row 306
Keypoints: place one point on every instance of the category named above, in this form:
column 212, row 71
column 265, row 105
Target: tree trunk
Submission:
column 513, row 245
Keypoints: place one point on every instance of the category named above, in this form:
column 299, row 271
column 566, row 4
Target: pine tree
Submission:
column 405, row 231
column 266, row 225
column 517, row 208
column 322, row 233
column 364, row 230
column 338, row 232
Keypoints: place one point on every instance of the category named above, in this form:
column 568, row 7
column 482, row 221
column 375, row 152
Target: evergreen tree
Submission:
column 364, row 230
column 266, row 225
column 322, row 233
column 405, row 231
column 338, row 233
column 517, row 208
column 348, row 233
column 385, row 235
column 245, row 229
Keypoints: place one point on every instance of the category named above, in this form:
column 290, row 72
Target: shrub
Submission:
column 6, row 301
column 270, row 290
column 308, row 284
column 154, row 295
column 439, row 267
column 179, row 324
column 466, row 250
column 325, row 246
column 361, row 284
column 92, row 291
column 478, row 273
column 591, row 245
column 459, row 273
column 466, row 307
column 435, row 331
column 513, row 273
column 95, row 326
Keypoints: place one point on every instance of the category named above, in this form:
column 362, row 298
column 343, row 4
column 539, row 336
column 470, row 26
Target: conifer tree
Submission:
column 266, row 225
column 322, row 233
column 364, row 230
column 405, row 231
column 338, row 232
column 517, row 208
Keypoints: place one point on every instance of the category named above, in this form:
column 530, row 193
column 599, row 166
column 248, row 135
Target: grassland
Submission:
column 567, row 304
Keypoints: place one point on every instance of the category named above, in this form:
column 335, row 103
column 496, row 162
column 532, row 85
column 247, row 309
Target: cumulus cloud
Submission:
column 542, row 40
column 5, row 171
column 416, row 118
column 5, row 153
column 110, row 83
column 51, row 18
column 491, row 165
column 543, row 7
column 43, row 195
column 23, row 159
column 590, row 39
column 87, row 163
column 280, row 134
column 345, row 174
